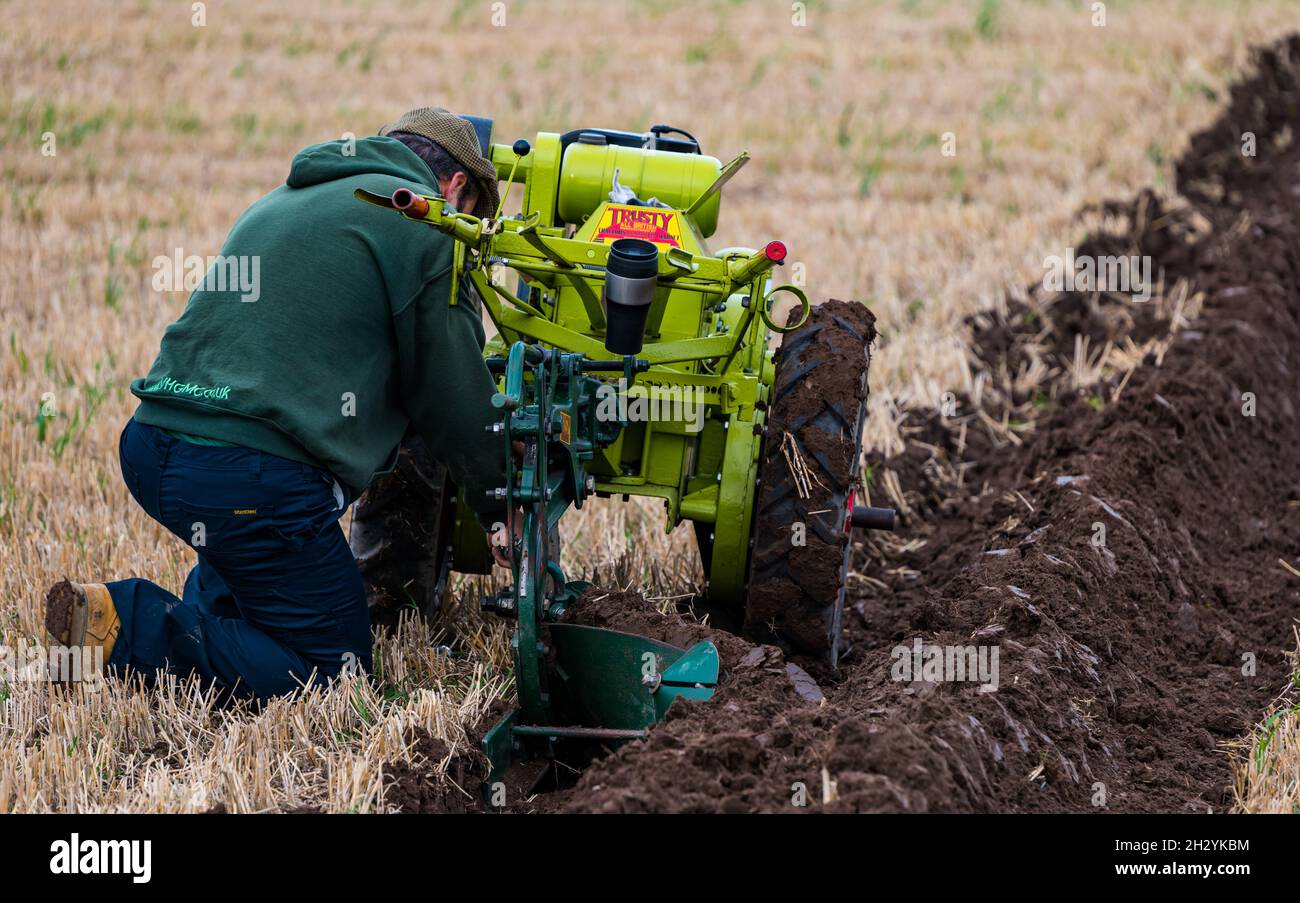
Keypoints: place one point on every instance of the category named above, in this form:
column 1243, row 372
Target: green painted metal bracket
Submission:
column 487, row 291
column 701, row 506
column 698, row 667
column 617, row 680
column 498, row 744
column 735, row 166
column 550, row 333
column 694, row 676
column 595, row 313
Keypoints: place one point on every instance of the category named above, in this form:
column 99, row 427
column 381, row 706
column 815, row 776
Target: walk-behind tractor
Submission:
column 632, row 360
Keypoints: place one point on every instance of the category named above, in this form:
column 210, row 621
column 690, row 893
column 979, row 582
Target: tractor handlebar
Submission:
column 868, row 518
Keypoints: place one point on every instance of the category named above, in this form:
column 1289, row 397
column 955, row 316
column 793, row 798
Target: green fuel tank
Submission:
column 676, row 179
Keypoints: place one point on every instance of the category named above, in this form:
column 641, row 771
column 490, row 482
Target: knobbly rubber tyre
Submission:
column 401, row 533
column 819, row 400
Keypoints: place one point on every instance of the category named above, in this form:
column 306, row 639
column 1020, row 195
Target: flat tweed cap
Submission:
column 455, row 136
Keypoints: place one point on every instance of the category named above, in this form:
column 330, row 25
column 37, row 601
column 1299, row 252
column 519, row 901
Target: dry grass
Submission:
column 1267, row 765
column 166, row 131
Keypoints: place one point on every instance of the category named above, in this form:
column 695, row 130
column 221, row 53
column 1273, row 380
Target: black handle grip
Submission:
column 613, row 366
column 874, row 518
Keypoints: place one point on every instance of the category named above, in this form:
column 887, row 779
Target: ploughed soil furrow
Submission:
column 1123, row 562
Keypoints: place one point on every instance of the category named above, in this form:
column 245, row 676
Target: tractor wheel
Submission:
column 401, row 536
column 809, row 475
column 410, row 529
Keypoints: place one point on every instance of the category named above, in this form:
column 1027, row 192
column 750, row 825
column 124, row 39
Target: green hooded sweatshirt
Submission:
column 345, row 337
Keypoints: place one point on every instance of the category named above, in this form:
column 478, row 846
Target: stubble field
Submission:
column 164, row 131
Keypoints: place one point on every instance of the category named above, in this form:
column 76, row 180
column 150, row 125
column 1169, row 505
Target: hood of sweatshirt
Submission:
column 333, row 160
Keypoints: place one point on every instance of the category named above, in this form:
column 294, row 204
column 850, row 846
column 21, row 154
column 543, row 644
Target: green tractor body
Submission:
column 674, row 409
column 703, row 337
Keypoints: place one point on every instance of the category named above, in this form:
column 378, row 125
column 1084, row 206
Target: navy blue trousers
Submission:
column 276, row 596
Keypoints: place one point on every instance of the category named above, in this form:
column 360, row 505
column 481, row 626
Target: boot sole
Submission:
column 61, row 609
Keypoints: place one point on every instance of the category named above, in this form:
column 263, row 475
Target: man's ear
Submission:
column 453, row 188
column 456, row 190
